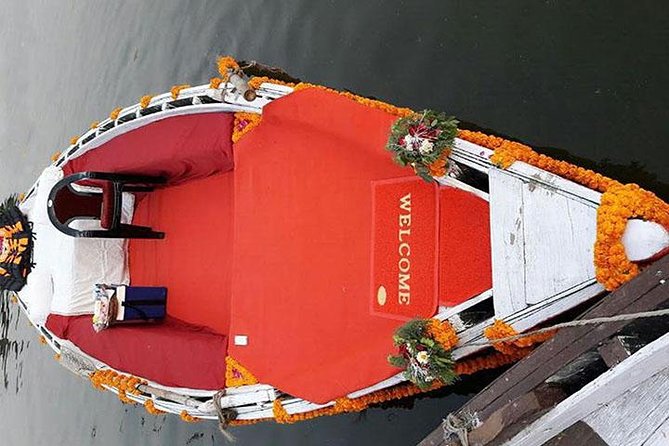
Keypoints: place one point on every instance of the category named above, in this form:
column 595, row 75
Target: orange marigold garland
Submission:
column 124, row 384
column 373, row 103
column 94, row 125
column 174, row 91
column 55, row 155
column 225, row 65
column 507, row 152
column 114, row 113
column 74, row 140
column 257, row 81
column 151, row 408
column 144, row 101
column 244, row 123
column 188, row 418
column 215, row 82
column 500, row 330
column 442, row 332
column 237, row 375
column 618, row 205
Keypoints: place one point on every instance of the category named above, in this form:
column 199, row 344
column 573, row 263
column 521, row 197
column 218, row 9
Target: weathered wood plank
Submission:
column 635, row 415
column 613, row 351
column 661, row 435
column 564, row 258
column 578, row 434
column 644, row 364
column 641, row 294
column 507, row 242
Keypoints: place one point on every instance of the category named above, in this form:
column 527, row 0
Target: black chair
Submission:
column 67, row 204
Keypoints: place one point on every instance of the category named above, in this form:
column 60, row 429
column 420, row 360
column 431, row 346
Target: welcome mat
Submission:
column 404, row 248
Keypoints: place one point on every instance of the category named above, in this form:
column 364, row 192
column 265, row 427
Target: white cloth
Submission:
column 72, row 265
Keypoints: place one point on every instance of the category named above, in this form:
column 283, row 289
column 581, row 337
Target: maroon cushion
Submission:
column 172, row 353
column 179, row 149
column 107, row 210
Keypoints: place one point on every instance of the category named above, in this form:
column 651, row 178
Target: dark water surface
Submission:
column 583, row 81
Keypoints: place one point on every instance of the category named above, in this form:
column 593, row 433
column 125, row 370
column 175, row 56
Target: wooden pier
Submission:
column 522, row 408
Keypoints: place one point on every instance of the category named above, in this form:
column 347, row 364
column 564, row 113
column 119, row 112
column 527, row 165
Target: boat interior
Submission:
column 297, row 251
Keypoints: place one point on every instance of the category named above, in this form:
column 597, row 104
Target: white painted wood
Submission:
column 555, row 182
column 450, row 181
column 507, row 242
column 636, row 369
column 634, row 416
column 643, row 239
column 661, row 435
column 451, row 311
column 530, row 316
column 559, row 235
column 243, row 399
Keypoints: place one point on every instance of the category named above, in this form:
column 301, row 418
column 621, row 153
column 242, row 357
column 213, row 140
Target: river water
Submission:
column 585, row 82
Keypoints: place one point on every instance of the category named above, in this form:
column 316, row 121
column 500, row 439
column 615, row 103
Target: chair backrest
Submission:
column 69, row 204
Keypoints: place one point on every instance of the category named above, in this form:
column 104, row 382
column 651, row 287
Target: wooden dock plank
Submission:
column 644, row 293
column 634, row 416
column 641, row 366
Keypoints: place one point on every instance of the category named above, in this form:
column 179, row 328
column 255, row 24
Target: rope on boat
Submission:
column 579, row 323
column 76, row 363
column 459, row 426
column 224, row 416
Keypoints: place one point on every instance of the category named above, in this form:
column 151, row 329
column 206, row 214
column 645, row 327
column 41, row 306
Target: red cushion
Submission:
column 172, row 353
column 180, row 148
column 107, row 211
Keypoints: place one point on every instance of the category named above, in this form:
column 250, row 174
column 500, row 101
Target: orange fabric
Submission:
column 301, row 282
column 465, row 264
column 194, row 260
column 404, row 263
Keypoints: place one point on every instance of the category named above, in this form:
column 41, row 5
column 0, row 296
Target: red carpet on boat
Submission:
column 302, row 289
column 281, row 249
column 465, row 263
column 194, row 260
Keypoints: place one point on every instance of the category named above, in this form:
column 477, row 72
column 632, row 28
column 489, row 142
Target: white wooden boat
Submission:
column 543, row 230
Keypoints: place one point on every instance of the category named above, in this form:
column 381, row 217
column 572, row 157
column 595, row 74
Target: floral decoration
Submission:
column 237, row 375
column 226, row 66
column 114, row 113
column 423, row 141
column 174, row 91
column 618, row 205
column 145, row 100
column 151, row 408
column 423, row 357
column 215, row 82
column 244, row 123
column 188, row 418
column 500, row 330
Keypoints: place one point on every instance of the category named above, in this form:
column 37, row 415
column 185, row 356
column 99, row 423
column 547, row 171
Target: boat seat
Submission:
column 172, row 353
column 66, row 204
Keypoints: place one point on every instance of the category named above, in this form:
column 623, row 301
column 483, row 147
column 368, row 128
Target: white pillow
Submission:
column 74, row 265
column 37, row 294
